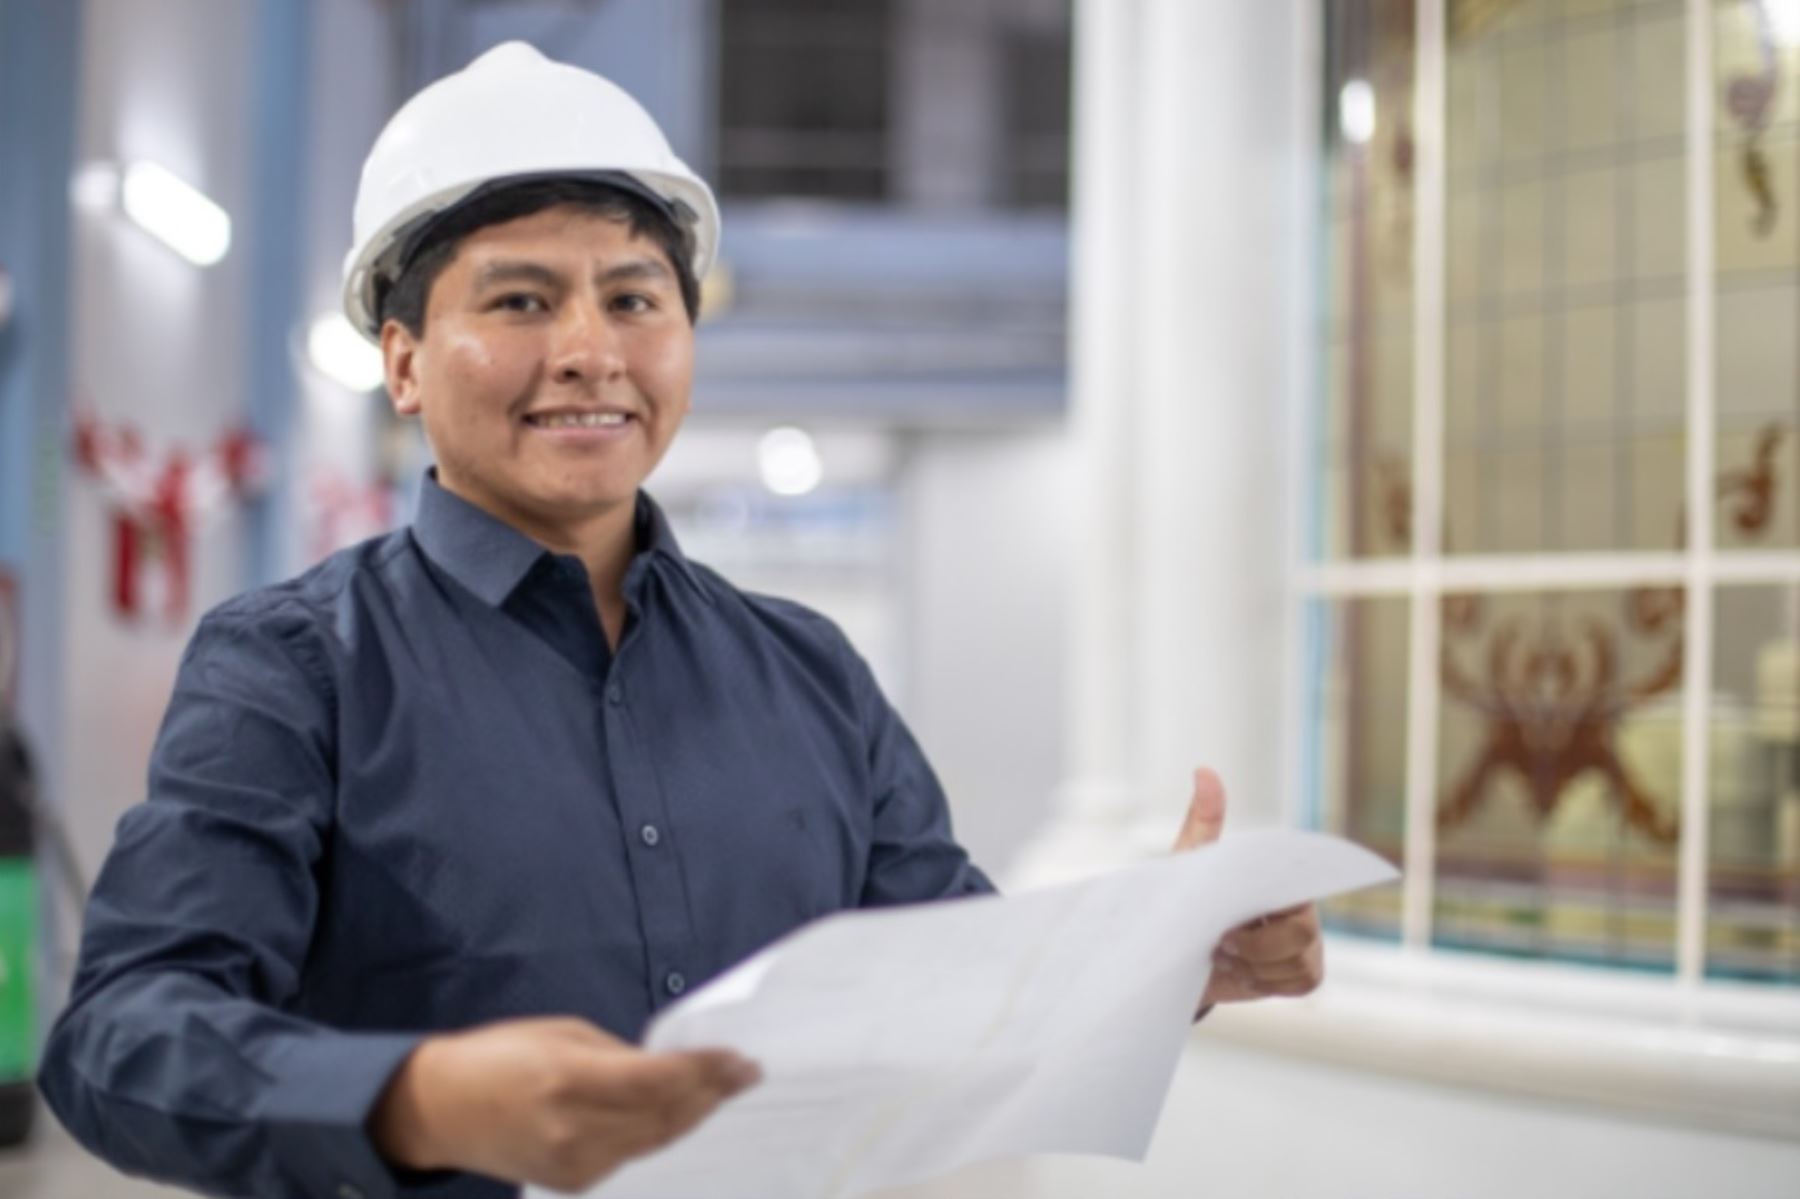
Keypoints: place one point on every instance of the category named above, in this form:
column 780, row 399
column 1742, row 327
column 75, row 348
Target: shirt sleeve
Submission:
column 914, row 856
column 178, row 1055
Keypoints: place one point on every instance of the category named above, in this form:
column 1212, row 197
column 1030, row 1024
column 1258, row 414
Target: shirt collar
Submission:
column 491, row 558
column 656, row 540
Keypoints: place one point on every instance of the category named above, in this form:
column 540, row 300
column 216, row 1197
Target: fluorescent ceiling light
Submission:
column 176, row 213
column 789, row 461
column 341, row 354
column 1356, row 111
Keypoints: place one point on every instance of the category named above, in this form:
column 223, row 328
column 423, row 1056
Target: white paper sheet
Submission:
column 901, row 1043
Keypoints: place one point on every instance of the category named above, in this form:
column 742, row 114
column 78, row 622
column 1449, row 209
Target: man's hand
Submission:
column 1277, row 954
column 554, row 1102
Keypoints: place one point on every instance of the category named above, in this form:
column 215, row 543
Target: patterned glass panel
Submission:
column 1366, row 430
column 1753, row 911
column 1359, row 760
column 1560, row 768
column 1564, row 400
column 1757, row 247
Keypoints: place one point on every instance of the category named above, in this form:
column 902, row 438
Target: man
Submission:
column 435, row 828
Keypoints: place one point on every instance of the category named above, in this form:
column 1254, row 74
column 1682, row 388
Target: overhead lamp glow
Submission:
column 789, row 461
column 95, row 187
column 1356, row 111
column 341, row 354
column 176, row 213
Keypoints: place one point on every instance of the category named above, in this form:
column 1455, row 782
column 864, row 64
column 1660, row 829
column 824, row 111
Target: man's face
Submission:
column 554, row 369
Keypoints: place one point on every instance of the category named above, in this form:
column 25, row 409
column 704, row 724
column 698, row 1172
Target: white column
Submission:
column 1104, row 392
column 1188, row 153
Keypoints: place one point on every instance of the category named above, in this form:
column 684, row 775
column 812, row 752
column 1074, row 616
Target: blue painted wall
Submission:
column 278, row 241
column 39, row 74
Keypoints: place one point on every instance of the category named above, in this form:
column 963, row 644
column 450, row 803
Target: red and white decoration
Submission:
column 343, row 511
column 158, row 503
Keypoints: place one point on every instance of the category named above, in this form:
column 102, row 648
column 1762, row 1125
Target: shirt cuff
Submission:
column 319, row 1111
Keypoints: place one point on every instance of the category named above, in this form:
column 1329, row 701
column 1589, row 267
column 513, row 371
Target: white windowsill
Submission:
column 1723, row 1056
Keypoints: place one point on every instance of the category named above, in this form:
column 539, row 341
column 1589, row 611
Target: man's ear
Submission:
column 400, row 359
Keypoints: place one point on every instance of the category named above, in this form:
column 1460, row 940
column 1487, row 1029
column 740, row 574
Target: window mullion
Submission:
column 1690, row 902
column 1429, row 250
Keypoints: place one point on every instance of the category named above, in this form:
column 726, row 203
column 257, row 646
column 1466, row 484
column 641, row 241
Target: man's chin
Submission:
column 584, row 504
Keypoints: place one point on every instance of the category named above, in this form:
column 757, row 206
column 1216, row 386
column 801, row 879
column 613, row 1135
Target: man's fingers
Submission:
column 1275, row 941
column 638, row 1102
column 681, row 1117
column 1286, row 970
column 723, row 1071
column 671, row 1079
column 687, row 1089
column 1237, row 978
column 634, row 1080
column 1205, row 814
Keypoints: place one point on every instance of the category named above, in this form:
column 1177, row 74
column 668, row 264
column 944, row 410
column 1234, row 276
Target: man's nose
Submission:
column 586, row 346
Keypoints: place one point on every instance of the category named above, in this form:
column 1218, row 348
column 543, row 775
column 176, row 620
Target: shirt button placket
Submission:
column 674, row 982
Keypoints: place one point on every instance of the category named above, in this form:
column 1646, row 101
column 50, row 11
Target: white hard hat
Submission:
column 512, row 114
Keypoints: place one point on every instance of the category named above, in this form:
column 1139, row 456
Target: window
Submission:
column 804, row 93
column 937, row 104
column 1535, row 526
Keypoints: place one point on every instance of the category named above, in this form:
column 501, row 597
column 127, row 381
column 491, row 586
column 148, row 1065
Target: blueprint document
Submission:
column 897, row 1044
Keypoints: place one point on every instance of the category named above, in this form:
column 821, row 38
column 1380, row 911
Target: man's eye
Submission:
column 633, row 302
column 521, row 301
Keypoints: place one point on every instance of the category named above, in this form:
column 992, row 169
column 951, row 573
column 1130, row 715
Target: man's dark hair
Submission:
column 404, row 299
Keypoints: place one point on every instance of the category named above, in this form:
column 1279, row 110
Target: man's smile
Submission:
column 581, row 424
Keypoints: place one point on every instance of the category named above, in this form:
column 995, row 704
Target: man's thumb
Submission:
column 1206, row 812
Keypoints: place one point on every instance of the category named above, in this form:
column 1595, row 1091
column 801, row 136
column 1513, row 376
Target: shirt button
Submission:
column 615, row 695
column 650, row 834
column 676, row 982
column 346, row 1191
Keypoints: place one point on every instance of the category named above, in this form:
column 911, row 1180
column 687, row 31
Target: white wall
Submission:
column 156, row 341
column 988, row 526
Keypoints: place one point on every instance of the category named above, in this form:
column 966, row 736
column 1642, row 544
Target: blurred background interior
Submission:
column 1392, row 403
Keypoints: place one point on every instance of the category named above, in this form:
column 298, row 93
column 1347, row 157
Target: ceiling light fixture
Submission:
column 176, row 213
column 789, row 461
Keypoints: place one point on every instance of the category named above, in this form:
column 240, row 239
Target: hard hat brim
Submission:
column 385, row 256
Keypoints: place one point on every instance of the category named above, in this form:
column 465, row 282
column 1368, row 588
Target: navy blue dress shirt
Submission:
column 414, row 790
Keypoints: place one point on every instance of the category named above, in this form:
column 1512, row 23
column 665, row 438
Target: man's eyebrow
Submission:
column 518, row 271
column 514, row 272
column 635, row 268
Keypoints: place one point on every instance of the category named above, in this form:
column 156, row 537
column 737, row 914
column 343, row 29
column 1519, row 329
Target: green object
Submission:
column 18, row 973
